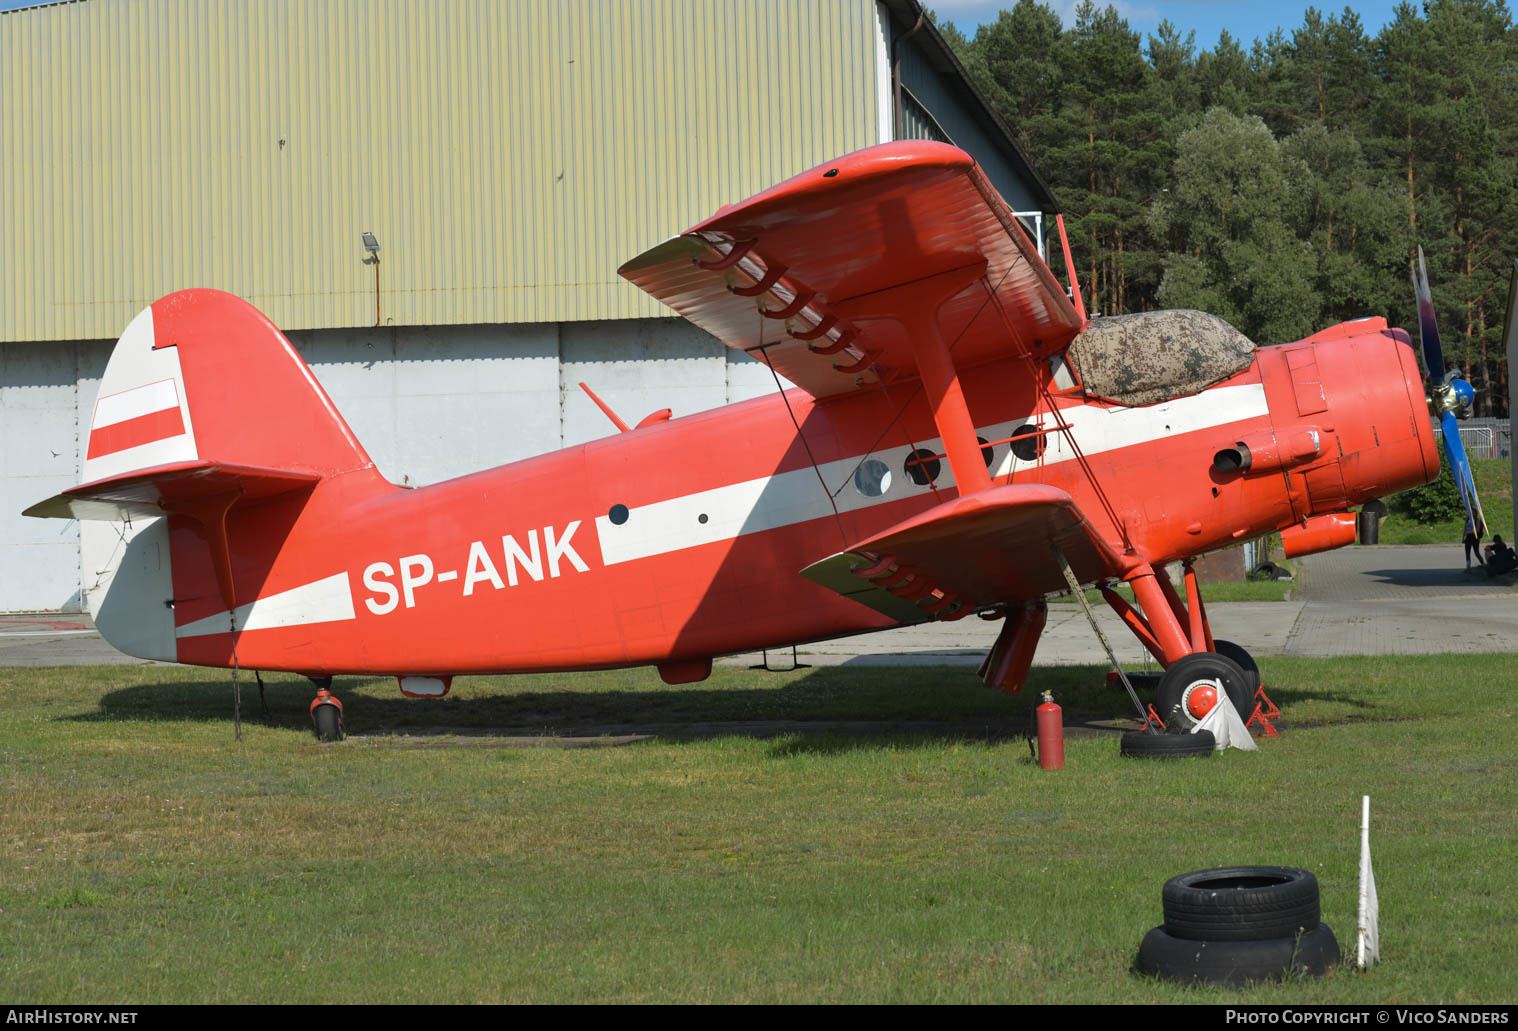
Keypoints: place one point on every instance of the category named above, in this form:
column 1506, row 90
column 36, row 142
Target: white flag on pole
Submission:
column 1370, row 932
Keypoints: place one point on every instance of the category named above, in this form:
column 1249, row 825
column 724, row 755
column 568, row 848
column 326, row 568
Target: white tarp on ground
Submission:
column 1227, row 726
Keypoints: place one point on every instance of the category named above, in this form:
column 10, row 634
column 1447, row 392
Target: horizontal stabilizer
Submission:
column 988, row 548
column 152, row 492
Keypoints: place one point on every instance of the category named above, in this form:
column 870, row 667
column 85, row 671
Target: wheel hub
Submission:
column 1201, row 698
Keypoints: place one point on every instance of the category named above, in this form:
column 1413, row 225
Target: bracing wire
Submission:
column 832, row 501
column 991, row 294
column 910, row 441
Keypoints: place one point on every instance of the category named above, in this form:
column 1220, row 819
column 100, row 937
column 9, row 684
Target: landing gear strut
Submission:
column 1198, row 669
column 326, row 711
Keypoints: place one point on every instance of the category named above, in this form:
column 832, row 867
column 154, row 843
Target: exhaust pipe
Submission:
column 1270, row 452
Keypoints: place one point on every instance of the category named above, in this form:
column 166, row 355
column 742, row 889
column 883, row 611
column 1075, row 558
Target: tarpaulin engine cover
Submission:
column 1156, row 355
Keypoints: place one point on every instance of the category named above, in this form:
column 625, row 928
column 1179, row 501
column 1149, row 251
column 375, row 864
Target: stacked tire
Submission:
column 1238, row 924
column 1153, row 744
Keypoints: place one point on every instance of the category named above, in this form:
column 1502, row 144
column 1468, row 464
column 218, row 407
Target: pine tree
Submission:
column 1235, row 252
column 1367, row 148
column 1326, row 70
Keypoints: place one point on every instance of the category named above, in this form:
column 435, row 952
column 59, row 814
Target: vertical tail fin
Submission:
column 201, row 374
column 204, row 407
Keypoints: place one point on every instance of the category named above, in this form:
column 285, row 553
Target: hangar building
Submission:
column 505, row 157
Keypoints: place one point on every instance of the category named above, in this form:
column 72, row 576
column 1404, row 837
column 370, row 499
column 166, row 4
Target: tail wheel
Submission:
column 1190, row 687
column 328, row 721
column 326, row 711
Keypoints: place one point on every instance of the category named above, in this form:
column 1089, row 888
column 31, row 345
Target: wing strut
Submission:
column 1075, row 287
column 916, row 306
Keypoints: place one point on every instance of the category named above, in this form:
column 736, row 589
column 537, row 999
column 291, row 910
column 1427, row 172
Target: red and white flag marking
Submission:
column 132, row 418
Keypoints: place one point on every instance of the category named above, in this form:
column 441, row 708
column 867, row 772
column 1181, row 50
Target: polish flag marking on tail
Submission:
column 132, row 418
column 142, row 415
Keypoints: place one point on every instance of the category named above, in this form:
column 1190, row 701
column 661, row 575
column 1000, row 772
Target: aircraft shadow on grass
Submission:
column 822, row 703
column 828, row 710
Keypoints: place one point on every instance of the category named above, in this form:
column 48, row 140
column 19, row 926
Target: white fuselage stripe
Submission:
column 785, row 499
column 323, row 601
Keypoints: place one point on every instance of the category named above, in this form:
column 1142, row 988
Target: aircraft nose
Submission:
column 1412, row 376
column 1383, row 425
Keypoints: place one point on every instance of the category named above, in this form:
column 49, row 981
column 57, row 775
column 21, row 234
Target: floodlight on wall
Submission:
column 371, row 245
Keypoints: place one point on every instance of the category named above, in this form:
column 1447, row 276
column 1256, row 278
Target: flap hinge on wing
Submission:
column 989, row 548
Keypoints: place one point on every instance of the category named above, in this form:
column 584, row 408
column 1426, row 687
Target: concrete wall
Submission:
column 47, row 392
column 429, row 403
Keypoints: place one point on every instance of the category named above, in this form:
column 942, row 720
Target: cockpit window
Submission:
column 1156, row 355
column 1060, row 374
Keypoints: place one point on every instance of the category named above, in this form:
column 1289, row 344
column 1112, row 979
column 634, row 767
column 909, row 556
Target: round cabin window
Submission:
column 922, row 466
column 872, row 478
column 1028, row 448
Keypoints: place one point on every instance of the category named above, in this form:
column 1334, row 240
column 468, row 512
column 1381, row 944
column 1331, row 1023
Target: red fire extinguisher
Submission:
column 1051, row 735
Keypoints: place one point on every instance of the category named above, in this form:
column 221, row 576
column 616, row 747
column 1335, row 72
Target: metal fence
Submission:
column 1485, row 438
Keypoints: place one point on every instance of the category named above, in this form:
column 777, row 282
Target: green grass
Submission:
column 826, row 835
column 1494, row 485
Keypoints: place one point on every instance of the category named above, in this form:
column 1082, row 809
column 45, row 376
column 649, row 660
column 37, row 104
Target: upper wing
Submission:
column 803, row 274
column 994, row 546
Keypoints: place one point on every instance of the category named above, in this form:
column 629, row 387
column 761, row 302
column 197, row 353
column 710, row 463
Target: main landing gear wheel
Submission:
column 1189, row 689
column 1245, row 661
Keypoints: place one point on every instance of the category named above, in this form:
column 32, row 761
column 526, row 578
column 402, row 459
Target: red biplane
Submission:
column 963, row 441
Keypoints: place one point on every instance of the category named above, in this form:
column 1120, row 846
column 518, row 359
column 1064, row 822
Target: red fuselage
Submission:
column 684, row 539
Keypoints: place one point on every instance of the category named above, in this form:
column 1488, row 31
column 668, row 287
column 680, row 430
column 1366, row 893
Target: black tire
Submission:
column 1313, row 953
column 1241, row 903
column 1145, row 744
column 1192, row 671
column 328, row 721
column 1245, row 662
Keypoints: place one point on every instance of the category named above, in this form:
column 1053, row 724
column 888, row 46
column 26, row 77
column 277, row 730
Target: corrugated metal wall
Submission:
column 508, row 155
column 933, row 113
column 428, row 403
